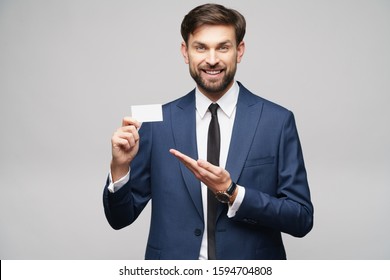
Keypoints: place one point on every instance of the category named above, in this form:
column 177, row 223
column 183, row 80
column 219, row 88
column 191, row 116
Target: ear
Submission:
column 240, row 51
column 184, row 52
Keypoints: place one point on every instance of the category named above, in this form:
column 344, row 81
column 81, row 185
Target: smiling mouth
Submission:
column 212, row 72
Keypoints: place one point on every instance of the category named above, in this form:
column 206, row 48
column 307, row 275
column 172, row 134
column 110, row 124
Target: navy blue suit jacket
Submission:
column 264, row 156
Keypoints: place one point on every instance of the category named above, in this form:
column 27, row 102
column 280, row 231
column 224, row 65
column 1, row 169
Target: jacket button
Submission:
column 250, row 221
column 198, row 232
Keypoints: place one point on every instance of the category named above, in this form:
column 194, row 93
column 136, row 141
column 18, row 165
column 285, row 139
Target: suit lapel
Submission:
column 248, row 113
column 184, row 131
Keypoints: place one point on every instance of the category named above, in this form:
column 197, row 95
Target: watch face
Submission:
column 223, row 197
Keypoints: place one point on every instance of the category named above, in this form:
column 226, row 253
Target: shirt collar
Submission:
column 227, row 102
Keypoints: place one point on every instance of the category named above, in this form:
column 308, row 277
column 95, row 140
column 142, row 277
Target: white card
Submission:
column 147, row 113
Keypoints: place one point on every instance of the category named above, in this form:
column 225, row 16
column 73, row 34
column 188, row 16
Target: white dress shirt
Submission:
column 226, row 115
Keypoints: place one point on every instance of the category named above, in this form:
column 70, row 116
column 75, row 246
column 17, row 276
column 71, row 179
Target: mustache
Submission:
column 212, row 67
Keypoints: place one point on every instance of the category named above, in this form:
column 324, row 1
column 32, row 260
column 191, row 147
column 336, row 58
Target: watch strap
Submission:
column 230, row 190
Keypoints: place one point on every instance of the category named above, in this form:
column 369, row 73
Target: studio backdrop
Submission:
column 70, row 70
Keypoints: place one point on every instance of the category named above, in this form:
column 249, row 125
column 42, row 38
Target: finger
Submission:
column 120, row 137
column 186, row 160
column 130, row 129
column 189, row 162
column 128, row 121
column 129, row 137
column 121, row 143
column 200, row 173
column 182, row 156
column 216, row 170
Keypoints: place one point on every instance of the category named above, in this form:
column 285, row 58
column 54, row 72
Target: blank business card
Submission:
column 147, row 113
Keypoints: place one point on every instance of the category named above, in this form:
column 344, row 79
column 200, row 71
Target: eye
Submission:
column 224, row 48
column 200, row 48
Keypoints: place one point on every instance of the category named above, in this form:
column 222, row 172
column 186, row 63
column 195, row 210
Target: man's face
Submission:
column 212, row 54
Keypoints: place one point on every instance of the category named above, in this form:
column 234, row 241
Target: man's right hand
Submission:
column 125, row 145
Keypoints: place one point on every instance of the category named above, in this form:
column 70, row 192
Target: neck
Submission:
column 215, row 96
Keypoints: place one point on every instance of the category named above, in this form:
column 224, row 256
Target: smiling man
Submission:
column 212, row 53
column 224, row 170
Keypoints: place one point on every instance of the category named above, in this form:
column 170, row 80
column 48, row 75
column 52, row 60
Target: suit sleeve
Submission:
column 289, row 209
column 124, row 206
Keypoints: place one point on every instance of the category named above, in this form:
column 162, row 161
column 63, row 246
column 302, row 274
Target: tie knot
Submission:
column 213, row 108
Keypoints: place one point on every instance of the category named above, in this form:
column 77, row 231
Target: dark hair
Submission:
column 213, row 14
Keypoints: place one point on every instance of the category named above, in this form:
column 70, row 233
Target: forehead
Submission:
column 213, row 34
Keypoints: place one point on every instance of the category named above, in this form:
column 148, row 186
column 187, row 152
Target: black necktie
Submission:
column 213, row 147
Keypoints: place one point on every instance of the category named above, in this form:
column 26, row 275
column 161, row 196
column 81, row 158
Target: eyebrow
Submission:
column 227, row 42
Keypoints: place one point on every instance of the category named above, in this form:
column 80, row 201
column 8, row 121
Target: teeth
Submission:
column 213, row 72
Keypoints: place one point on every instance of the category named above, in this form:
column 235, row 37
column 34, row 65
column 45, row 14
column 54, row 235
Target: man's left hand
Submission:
column 214, row 177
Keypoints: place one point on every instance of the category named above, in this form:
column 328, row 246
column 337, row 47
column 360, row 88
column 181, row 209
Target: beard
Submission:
column 214, row 86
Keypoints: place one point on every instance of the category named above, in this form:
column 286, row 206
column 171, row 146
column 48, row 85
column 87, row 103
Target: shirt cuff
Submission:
column 115, row 186
column 237, row 202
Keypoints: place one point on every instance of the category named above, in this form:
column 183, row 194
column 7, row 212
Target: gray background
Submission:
column 69, row 71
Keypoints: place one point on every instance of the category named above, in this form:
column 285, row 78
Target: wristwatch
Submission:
column 225, row 196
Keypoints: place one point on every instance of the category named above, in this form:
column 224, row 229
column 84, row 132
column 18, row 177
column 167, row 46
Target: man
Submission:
column 254, row 163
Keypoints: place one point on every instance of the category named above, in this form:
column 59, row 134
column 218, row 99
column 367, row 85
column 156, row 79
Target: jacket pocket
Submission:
column 259, row 161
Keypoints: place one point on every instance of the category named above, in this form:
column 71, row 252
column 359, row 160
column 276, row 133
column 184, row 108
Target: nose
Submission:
column 212, row 58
